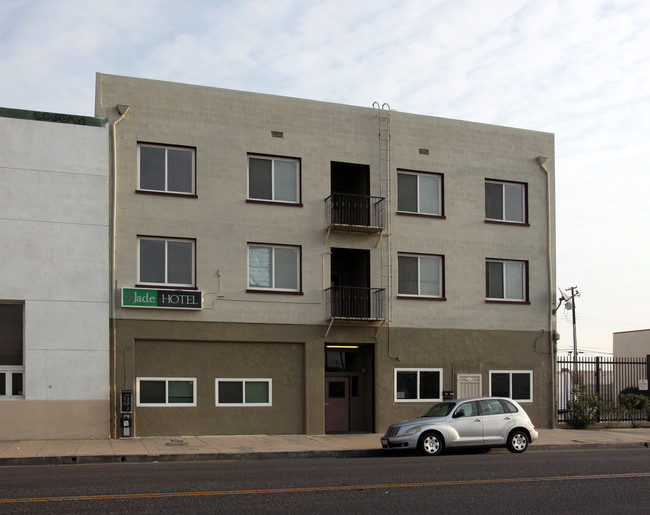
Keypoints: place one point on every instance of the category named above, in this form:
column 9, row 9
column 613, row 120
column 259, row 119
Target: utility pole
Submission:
column 574, row 294
column 570, row 303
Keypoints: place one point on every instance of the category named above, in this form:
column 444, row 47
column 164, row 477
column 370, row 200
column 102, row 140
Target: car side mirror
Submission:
column 459, row 413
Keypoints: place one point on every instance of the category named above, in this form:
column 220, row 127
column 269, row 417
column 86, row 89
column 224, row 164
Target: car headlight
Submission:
column 412, row 431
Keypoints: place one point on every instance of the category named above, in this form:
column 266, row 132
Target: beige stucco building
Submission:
column 292, row 266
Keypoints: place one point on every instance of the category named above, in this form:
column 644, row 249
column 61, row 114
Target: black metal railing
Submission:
column 347, row 302
column 605, row 376
column 355, row 211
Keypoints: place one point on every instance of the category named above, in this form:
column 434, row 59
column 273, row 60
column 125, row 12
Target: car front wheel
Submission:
column 430, row 444
column 517, row 441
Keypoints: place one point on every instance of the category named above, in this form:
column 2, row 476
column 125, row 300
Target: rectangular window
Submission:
column 162, row 391
column 166, row 169
column 274, row 267
column 506, row 280
column 274, row 179
column 513, row 384
column 506, row 202
column 243, row 392
column 420, row 275
column 419, row 193
column 418, row 384
column 166, row 262
column 11, row 350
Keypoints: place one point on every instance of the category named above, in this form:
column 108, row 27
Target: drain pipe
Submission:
column 541, row 160
column 122, row 109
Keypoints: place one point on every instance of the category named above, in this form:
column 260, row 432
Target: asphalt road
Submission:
column 602, row 481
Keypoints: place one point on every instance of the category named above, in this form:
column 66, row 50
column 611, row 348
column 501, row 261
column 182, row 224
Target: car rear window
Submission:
column 509, row 406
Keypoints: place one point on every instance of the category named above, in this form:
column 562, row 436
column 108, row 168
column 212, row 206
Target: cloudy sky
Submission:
column 577, row 68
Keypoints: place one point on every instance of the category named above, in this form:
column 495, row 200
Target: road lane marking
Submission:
column 307, row 489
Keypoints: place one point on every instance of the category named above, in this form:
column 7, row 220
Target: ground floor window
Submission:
column 243, row 392
column 514, row 384
column 11, row 349
column 11, row 382
column 162, row 391
column 418, row 384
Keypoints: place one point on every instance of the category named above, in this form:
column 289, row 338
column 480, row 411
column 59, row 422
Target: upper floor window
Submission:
column 166, row 169
column 274, row 179
column 506, row 280
column 420, row 275
column 166, row 262
column 506, row 201
column 274, row 267
column 419, row 193
column 11, row 350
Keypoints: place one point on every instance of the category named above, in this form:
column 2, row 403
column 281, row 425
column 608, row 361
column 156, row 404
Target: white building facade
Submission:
column 54, row 286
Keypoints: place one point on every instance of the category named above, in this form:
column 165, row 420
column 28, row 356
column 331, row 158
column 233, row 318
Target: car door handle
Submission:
column 477, row 420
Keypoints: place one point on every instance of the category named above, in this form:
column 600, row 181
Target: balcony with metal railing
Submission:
column 355, row 303
column 355, row 213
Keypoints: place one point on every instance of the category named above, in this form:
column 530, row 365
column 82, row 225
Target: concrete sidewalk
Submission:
column 209, row 448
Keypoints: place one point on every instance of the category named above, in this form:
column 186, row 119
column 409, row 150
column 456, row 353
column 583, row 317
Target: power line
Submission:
column 639, row 299
column 598, row 321
column 594, row 320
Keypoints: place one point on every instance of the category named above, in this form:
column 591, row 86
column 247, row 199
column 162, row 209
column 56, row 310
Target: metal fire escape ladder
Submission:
column 383, row 116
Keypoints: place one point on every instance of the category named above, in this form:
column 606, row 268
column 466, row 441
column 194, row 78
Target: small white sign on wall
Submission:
column 643, row 384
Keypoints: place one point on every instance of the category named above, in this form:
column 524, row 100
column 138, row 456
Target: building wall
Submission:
column 631, row 344
column 54, row 253
column 292, row 356
column 467, row 154
column 459, row 334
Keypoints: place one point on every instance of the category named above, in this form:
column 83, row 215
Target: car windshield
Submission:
column 442, row 409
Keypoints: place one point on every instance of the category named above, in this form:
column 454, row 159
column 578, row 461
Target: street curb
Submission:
column 201, row 457
column 578, row 446
column 174, row 458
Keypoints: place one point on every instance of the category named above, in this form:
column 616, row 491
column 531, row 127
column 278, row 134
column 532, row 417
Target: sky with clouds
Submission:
column 577, row 68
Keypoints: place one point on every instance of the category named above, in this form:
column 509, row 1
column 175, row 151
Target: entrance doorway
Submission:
column 337, row 404
column 349, row 388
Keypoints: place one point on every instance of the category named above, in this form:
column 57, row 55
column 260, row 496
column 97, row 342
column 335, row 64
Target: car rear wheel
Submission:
column 517, row 441
column 431, row 444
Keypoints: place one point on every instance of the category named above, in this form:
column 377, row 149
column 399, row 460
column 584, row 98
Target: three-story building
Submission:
column 291, row 266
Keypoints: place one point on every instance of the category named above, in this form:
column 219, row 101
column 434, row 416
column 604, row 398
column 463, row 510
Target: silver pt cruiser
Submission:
column 481, row 422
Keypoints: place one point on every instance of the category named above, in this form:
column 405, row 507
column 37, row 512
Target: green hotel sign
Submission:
column 166, row 299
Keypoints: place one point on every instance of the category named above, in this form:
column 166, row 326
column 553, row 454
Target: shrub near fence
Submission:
column 608, row 379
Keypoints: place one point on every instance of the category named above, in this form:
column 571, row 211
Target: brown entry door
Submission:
column 337, row 404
